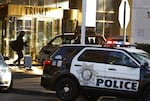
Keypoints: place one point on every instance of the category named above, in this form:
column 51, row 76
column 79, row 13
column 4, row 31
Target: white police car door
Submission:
column 122, row 72
column 86, row 67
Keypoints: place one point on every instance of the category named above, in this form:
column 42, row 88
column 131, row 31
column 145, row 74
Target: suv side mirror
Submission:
column 145, row 64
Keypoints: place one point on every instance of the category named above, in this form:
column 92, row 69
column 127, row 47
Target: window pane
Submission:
column 28, row 25
column 40, row 2
column 118, row 58
column 19, row 25
column 57, row 41
column 23, row 2
column 99, row 16
column 51, row 3
column 3, row 1
column 115, row 58
column 63, row 4
column 109, row 5
column 93, row 56
column 34, row 2
column 100, row 5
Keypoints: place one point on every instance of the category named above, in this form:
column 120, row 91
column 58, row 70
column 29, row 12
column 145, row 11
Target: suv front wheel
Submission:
column 66, row 89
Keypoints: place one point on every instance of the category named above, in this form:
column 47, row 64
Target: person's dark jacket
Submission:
column 20, row 43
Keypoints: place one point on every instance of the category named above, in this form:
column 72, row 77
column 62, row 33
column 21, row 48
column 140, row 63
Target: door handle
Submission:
column 112, row 69
column 77, row 65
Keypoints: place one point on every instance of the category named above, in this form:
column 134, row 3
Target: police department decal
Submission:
column 118, row 84
column 89, row 77
column 86, row 74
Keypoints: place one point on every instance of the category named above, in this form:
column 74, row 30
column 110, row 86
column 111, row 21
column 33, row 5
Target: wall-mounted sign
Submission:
column 22, row 10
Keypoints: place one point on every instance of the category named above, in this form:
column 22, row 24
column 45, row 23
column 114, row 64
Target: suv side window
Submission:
column 57, row 41
column 108, row 57
column 68, row 39
column 67, row 52
column 63, row 40
column 98, row 56
column 119, row 58
column 115, row 58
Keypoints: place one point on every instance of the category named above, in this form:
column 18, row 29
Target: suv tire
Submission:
column 66, row 89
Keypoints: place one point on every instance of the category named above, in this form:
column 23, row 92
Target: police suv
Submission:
column 100, row 71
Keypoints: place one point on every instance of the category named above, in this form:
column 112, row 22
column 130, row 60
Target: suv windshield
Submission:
column 142, row 57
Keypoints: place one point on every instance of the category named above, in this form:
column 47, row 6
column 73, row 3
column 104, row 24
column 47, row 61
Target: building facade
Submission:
column 44, row 19
column 140, row 21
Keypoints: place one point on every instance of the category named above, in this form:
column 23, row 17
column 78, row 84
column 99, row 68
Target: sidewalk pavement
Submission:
column 31, row 84
column 36, row 70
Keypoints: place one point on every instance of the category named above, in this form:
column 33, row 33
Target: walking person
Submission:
column 18, row 47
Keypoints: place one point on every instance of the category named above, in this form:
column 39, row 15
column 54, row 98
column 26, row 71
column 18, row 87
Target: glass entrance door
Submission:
column 47, row 29
column 25, row 25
